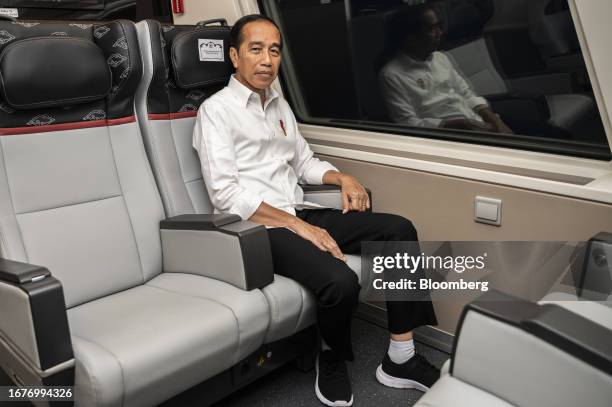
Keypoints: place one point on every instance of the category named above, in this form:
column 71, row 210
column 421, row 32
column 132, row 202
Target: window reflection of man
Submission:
column 420, row 85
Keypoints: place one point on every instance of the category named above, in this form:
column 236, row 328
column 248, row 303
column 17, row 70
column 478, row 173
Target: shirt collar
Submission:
column 245, row 94
column 407, row 59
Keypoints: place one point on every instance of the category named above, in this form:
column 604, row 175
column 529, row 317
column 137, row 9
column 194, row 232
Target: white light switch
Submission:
column 487, row 210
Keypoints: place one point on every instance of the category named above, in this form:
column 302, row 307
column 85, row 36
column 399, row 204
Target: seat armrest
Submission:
column 20, row 273
column 222, row 247
column 35, row 345
column 329, row 196
column 505, row 344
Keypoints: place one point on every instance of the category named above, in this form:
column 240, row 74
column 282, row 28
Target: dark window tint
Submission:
column 503, row 72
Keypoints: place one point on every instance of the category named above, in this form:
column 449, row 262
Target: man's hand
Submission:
column 493, row 119
column 501, row 127
column 354, row 195
column 318, row 236
column 271, row 216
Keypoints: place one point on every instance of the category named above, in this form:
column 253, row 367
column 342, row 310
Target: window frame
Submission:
column 566, row 148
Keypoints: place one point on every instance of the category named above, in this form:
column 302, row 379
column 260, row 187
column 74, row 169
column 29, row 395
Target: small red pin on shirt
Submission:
column 282, row 124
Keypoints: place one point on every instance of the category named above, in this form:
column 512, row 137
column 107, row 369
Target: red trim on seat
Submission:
column 10, row 131
column 171, row 116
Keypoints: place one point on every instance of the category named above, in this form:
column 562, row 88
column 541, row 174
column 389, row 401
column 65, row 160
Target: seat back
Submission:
column 474, row 61
column 551, row 27
column 76, row 193
column 175, row 83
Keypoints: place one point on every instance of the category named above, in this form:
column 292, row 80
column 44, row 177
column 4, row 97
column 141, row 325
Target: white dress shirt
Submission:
column 251, row 154
column 424, row 93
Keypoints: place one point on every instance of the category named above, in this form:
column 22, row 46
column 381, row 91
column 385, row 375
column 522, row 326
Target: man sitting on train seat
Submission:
column 252, row 157
column 421, row 86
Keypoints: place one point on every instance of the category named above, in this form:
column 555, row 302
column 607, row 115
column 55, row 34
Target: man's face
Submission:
column 428, row 39
column 259, row 56
column 432, row 33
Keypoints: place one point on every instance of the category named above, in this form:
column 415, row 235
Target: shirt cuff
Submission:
column 246, row 205
column 314, row 174
column 476, row 101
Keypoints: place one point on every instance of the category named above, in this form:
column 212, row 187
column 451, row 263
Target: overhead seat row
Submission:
column 105, row 286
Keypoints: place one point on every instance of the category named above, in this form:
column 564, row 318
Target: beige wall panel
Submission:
column 442, row 208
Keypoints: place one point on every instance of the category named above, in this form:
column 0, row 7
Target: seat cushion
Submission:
column 141, row 346
column 449, row 391
column 293, row 307
column 249, row 308
column 570, row 111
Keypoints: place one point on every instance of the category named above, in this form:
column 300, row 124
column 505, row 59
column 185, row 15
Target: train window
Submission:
column 496, row 72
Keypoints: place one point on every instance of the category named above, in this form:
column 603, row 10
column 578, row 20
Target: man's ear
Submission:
column 233, row 53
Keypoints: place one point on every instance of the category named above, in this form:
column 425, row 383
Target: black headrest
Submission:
column 45, row 71
column 200, row 57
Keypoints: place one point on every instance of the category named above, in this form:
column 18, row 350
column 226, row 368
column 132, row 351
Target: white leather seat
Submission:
column 133, row 346
column 77, row 196
column 570, row 112
column 509, row 352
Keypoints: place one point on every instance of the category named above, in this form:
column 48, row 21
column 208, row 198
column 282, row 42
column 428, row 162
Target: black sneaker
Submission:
column 416, row 373
column 333, row 386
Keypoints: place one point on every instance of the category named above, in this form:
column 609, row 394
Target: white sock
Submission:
column 324, row 345
column 401, row 352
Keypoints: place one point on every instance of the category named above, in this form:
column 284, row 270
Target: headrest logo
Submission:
column 188, row 108
column 5, row 37
column 125, row 73
column 211, row 50
column 101, row 31
column 95, row 115
column 115, row 60
column 121, row 43
column 40, row 120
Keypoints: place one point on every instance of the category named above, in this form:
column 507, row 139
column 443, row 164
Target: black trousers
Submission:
column 333, row 283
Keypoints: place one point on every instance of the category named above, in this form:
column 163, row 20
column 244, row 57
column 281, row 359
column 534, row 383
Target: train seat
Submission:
column 174, row 86
column 566, row 112
column 551, row 28
column 106, row 308
column 551, row 346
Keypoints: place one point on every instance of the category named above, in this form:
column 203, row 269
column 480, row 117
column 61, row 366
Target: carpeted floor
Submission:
column 290, row 387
